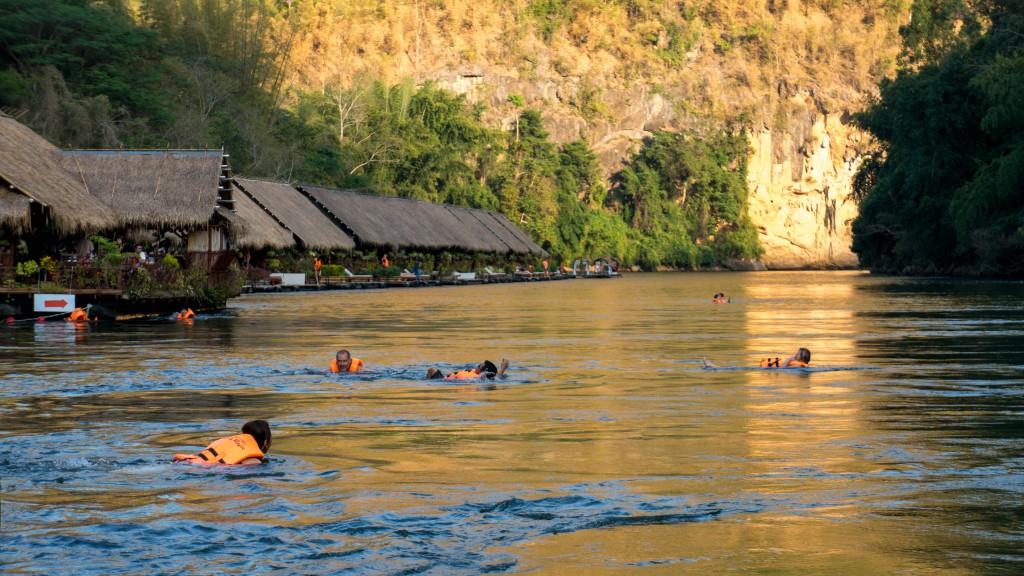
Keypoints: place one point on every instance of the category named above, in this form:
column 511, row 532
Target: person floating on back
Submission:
column 249, row 447
column 485, row 370
column 799, row 360
column 344, row 362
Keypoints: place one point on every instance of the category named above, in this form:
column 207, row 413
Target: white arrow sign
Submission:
column 54, row 302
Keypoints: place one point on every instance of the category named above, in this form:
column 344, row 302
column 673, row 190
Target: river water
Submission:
column 609, row 449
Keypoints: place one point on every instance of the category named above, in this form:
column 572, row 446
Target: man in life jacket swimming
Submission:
column 485, row 370
column 344, row 362
column 249, row 447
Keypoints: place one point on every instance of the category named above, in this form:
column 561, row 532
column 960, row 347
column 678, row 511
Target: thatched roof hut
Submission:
column 152, row 188
column 302, row 217
column 30, row 167
column 262, row 230
column 391, row 223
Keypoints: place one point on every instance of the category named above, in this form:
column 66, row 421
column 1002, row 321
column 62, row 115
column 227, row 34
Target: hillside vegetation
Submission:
column 945, row 194
column 338, row 93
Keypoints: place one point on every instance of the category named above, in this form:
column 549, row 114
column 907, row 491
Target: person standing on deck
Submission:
column 317, row 265
column 384, row 264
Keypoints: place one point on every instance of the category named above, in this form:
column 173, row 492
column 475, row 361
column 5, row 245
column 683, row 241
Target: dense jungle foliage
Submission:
column 210, row 73
column 946, row 192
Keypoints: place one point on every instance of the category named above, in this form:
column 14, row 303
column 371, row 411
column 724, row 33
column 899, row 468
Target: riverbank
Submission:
column 406, row 281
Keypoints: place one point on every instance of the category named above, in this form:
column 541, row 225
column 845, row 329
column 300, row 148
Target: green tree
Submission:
column 687, row 196
column 944, row 195
column 94, row 47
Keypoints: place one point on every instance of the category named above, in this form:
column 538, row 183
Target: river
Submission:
column 608, row 449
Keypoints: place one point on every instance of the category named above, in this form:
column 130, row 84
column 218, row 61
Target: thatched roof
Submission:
column 295, row 211
column 510, row 234
column 176, row 188
column 31, row 165
column 261, row 230
column 14, row 212
column 392, row 223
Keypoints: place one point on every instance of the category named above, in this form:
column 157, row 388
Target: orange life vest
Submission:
column 462, row 375
column 188, row 313
column 354, row 367
column 384, row 261
column 775, row 362
column 78, row 315
column 317, row 264
column 230, row 450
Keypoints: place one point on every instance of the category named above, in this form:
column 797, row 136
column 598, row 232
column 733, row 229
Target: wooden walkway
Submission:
column 344, row 283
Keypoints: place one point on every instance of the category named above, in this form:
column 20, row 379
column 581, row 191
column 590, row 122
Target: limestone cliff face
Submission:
column 800, row 174
column 801, row 190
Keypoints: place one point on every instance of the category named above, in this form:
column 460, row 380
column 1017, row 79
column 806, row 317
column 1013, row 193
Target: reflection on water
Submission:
column 608, row 450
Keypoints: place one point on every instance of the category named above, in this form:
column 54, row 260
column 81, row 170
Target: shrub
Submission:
column 171, row 262
column 48, row 264
column 29, row 268
column 333, row 270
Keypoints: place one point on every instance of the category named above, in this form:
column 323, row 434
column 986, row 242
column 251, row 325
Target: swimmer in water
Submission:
column 344, row 362
column 249, row 447
column 485, row 370
column 799, row 360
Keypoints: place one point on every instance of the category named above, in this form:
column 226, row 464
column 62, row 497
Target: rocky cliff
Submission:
column 612, row 73
column 801, row 189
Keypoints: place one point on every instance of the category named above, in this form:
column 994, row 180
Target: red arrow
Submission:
column 54, row 303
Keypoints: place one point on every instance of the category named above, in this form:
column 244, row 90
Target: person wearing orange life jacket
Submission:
column 78, row 315
column 186, row 314
column 344, row 362
column 249, row 447
column 317, row 265
column 485, row 370
column 799, row 360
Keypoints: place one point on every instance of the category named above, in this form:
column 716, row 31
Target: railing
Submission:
column 144, row 280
